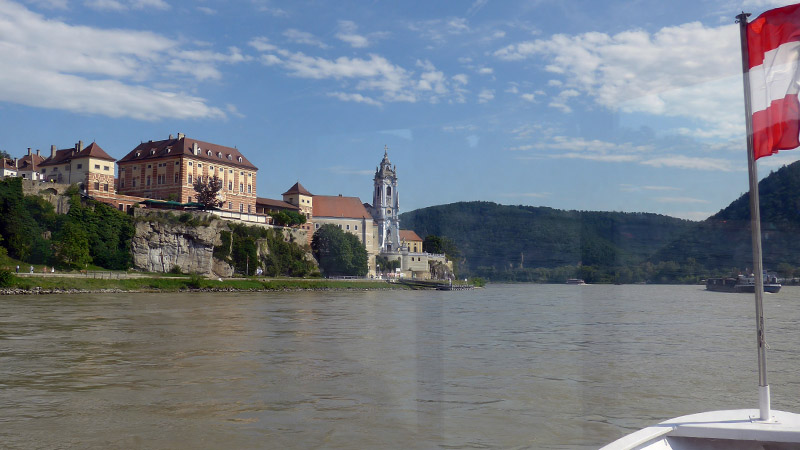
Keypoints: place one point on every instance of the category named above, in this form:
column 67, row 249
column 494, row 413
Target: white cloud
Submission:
column 150, row 4
column 358, row 98
column 528, row 97
column 485, row 71
column 55, row 65
column 262, row 44
column 691, row 162
column 105, row 5
column 116, row 5
column 265, row 6
column 303, row 37
column 485, row 96
column 373, row 74
column 206, row 10
column 663, row 73
column 347, row 33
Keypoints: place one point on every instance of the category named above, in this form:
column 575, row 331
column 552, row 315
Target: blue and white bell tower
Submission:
column 385, row 204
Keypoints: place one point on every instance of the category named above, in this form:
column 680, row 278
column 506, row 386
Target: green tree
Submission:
column 339, row 253
column 5, row 154
column 72, row 247
column 207, row 191
column 288, row 218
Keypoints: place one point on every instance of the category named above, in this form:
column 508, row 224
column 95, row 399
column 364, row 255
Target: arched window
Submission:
column 240, row 159
column 388, row 190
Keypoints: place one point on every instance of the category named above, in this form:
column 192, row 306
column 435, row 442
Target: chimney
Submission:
column 16, row 162
column 170, row 137
column 79, row 146
column 52, row 151
column 195, row 148
column 37, row 152
column 181, row 136
column 29, row 151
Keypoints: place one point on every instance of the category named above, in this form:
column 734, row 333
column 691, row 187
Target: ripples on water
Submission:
column 510, row 366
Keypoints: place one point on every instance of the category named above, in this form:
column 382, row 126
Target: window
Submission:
column 105, row 168
column 122, row 182
column 229, row 156
column 241, row 187
column 231, row 171
column 97, row 166
column 241, row 207
column 248, row 209
column 190, row 199
column 134, row 182
column 176, row 178
column 148, row 180
column 96, row 185
column 190, row 164
column 210, row 167
column 80, row 166
column 199, row 164
column 356, row 227
column 348, row 227
column 189, row 179
column 316, row 226
column 138, row 154
column 240, row 159
column 249, row 189
column 208, row 152
column 178, row 163
column 149, row 166
column 219, row 154
column 120, row 206
column 135, row 167
column 105, row 187
column 230, row 185
column 44, row 171
column 230, row 205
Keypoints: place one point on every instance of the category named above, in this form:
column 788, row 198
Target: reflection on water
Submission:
column 520, row 366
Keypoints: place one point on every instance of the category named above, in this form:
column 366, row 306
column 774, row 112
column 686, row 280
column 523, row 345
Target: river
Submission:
column 509, row 366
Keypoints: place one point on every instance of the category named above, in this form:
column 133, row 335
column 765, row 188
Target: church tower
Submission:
column 385, row 205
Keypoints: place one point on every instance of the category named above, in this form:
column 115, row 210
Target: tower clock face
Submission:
column 388, row 210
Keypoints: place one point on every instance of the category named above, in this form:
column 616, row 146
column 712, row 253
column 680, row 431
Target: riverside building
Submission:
column 168, row 169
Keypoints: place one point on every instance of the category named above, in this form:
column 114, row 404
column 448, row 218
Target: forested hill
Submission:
column 498, row 238
column 723, row 240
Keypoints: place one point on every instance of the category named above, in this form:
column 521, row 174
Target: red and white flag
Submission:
column 773, row 41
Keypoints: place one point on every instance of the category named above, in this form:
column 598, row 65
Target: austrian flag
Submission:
column 773, row 41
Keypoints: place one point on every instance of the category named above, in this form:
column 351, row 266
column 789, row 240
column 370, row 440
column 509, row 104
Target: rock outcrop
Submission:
column 159, row 246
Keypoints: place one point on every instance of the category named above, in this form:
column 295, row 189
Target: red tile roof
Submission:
column 409, row 235
column 275, row 204
column 339, row 207
column 30, row 162
column 298, row 189
column 8, row 164
column 66, row 155
column 184, row 146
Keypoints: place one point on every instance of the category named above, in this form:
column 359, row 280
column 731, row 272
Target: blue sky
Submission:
column 590, row 105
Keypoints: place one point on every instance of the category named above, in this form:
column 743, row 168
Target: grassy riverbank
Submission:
column 82, row 283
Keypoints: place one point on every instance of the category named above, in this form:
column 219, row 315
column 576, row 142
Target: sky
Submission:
column 627, row 105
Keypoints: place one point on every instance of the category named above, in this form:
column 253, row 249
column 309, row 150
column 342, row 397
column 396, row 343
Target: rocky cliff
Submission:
column 161, row 245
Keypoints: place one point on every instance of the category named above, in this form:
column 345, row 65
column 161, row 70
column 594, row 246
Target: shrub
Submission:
column 7, row 278
column 176, row 269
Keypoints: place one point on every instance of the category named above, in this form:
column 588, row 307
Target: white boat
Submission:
column 743, row 429
column 738, row 429
column 575, row 281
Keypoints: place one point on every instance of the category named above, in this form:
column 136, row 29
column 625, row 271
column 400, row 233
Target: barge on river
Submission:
column 742, row 284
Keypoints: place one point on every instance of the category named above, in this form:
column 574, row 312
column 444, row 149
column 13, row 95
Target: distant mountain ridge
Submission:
column 506, row 238
column 496, row 236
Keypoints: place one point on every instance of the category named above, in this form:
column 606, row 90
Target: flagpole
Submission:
column 755, row 227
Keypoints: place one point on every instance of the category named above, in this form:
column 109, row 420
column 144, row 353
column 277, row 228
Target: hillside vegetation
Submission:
column 525, row 243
